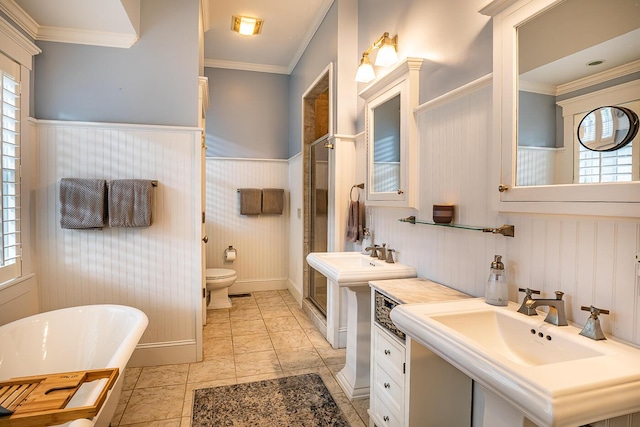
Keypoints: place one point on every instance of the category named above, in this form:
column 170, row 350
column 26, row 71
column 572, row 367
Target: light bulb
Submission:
column 387, row 55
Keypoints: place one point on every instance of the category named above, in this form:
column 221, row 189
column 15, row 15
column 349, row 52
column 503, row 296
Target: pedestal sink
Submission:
column 528, row 369
column 348, row 275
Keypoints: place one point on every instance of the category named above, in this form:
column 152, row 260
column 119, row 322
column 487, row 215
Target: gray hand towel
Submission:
column 272, row 201
column 82, row 203
column 354, row 223
column 130, row 203
column 250, row 201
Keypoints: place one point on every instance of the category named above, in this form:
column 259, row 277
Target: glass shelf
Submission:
column 505, row 230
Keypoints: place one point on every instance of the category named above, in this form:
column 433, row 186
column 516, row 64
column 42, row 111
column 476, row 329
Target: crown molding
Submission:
column 324, row 9
column 245, row 66
column 623, row 70
column 537, row 87
column 17, row 45
column 87, row 37
column 64, row 35
column 20, row 17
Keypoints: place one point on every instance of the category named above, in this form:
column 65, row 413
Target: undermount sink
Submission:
column 551, row 374
column 347, row 268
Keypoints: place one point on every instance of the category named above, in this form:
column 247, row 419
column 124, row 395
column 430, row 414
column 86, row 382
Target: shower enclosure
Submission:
column 318, row 203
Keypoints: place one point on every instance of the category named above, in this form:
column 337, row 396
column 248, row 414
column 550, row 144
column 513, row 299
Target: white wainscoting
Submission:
column 536, row 166
column 591, row 259
column 156, row 269
column 19, row 299
column 261, row 241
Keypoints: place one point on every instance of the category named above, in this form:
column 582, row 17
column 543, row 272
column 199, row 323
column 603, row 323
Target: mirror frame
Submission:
column 632, row 118
column 615, row 199
column 403, row 79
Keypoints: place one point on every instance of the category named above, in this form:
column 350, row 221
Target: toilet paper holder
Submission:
column 230, row 253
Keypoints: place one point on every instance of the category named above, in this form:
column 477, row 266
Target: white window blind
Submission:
column 10, row 266
column 608, row 166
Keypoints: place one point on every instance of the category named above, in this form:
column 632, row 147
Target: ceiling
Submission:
column 116, row 23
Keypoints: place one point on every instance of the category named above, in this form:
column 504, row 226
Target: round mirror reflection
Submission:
column 607, row 128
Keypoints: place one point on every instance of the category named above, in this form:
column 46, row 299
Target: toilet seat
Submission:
column 219, row 273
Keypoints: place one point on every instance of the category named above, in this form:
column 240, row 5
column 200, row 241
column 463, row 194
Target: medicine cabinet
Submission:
column 391, row 136
column 553, row 63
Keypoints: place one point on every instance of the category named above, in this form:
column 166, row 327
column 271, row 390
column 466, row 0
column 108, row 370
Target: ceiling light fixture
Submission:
column 246, row 25
column 387, row 55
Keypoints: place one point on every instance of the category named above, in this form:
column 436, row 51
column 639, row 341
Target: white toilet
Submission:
column 218, row 281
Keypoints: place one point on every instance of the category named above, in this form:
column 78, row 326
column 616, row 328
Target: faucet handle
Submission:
column 390, row 255
column 528, row 292
column 592, row 328
column 595, row 311
column 559, row 295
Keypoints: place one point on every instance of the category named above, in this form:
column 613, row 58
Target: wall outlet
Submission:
column 300, row 216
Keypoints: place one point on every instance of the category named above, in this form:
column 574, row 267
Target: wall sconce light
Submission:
column 246, row 25
column 387, row 55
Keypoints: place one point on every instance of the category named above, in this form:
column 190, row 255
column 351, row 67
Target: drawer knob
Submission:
column 387, row 352
column 386, row 418
column 387, row 385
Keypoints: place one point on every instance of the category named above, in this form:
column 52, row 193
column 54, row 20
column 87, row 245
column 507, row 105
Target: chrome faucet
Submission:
column 555, row 316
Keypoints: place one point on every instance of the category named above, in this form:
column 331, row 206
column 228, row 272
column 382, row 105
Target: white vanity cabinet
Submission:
column 410, row 385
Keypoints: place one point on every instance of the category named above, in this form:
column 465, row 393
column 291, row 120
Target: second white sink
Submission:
column 345, row 268
column 551, row 374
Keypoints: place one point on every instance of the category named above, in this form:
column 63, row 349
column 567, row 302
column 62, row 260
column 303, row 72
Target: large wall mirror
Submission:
column 391, row 136
column 557, row 63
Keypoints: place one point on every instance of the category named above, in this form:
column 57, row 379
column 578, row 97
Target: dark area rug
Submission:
column 296, row 401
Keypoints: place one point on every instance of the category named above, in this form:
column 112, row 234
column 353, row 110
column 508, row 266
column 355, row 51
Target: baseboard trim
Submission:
column 293, row 290
column 248, row 286
column 164, row 353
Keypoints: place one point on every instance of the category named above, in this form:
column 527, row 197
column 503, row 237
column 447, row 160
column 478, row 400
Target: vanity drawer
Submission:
column 388, row 352
column 382, row 415
column 389, row 389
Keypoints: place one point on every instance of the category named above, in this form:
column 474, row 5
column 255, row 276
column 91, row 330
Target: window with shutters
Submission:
column 10, row 251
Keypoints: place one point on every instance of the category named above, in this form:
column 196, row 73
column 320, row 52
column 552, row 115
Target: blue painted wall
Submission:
column 455, row 40
column 248, row 114
column 322, row 50
column 153, row 82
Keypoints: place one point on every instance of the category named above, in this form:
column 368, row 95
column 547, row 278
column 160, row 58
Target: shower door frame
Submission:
column 312, row 197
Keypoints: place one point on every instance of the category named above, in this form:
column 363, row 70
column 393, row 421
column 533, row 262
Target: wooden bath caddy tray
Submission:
column 40, row 400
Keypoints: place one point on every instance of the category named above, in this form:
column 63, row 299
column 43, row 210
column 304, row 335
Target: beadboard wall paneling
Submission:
column 262, row 241
column 536, row 166
column 156, row 269
column 591, row 259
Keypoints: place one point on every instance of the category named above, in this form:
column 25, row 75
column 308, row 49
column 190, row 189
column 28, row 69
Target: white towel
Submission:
column 82, row 203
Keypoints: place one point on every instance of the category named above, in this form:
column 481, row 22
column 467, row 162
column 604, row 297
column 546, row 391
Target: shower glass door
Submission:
column 318, row 185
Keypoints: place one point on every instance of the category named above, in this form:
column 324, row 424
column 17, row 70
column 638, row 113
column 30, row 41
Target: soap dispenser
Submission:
column 496, row 292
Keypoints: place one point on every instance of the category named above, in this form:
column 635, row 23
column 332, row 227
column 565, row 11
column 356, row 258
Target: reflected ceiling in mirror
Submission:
column 571, row 50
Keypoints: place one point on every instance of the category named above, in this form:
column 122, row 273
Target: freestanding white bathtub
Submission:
column 74, row 339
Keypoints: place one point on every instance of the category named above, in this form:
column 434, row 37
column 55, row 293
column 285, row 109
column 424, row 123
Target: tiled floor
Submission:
column 265, row 335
